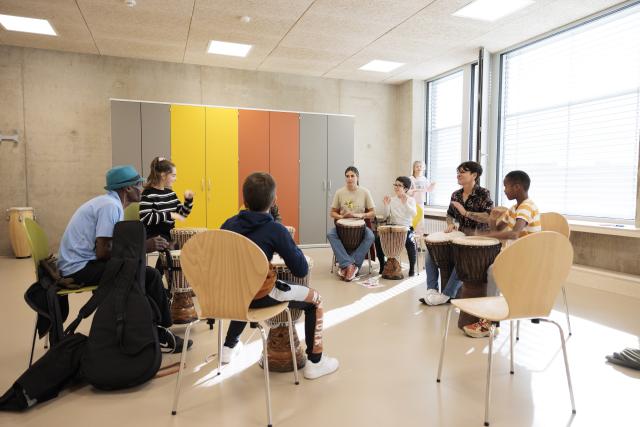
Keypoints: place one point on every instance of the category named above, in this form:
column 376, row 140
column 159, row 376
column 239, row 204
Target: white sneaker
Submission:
column 437, row 299
column 228, row 353
column 432, row 292
column 327, row 365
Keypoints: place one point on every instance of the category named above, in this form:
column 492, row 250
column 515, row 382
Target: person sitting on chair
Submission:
column 85, row 247
column 519, row 220
column 257, row 224
column 400, row 210
column 351, row 201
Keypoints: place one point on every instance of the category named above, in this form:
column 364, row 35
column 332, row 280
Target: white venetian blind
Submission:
column 444, row 136
column 571, row 118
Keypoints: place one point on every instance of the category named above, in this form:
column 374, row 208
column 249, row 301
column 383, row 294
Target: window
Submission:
column 570, row 118
column 444, row 135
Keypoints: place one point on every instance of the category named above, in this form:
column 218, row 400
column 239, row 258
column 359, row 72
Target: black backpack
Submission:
column 122, row 349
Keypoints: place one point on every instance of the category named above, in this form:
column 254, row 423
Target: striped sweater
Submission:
column 155, row 211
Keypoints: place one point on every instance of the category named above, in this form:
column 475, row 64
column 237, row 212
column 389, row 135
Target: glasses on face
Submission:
column 395, row 184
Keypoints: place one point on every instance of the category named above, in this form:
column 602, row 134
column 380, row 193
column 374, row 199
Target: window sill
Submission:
column 433, row 211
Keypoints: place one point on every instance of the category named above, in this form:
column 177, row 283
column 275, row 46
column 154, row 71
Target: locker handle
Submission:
column 324, row 185
column 329, row 185
column 209, row 181
column 202, row 185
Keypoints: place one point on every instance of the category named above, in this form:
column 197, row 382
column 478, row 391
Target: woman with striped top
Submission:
column 159, row 205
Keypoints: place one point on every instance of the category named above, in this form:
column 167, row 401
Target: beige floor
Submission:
column 388, row 346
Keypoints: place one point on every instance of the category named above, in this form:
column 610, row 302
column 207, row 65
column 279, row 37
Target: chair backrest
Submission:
column 226, row 271
column 553, row 221
column 531, row 271
column 419, row 215
column 38, row 241
column 132, row 212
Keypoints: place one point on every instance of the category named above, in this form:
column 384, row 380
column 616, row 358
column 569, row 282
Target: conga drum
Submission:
column 180, row 235
column 392, row 239
column 182, row 308
column 278, row 347
column 439, row 247
column 351, row 232
column 17, row 231
column 473, row 255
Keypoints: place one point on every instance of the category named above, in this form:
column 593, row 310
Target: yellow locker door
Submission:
column 222, row 165
column 187, row 152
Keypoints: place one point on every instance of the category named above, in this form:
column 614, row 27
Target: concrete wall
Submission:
column 59, row 103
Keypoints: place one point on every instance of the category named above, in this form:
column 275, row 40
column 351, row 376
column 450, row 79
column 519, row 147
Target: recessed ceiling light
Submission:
column 27, row 25
column 228, row 48
column 381, row 66
column 491, row 10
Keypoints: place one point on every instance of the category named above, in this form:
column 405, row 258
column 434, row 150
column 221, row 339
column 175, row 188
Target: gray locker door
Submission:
column 126, row 145
column 156, row 133
column 313, row 173
column 340, row 153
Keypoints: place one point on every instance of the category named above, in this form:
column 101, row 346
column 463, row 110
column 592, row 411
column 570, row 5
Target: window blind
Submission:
column 570, row 118
column 444, row 136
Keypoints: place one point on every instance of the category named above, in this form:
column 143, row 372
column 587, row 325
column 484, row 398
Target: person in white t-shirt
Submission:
column 420, row 186
column 400, row 210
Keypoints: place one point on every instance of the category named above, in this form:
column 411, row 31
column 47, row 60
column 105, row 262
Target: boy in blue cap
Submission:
column 86, row 244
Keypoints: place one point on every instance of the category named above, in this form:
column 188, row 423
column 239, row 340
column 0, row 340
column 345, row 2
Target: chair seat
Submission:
column 490, row 308
column 77, row 291
column 261, row 314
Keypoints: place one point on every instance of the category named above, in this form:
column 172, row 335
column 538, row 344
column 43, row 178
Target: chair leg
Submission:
column 369, row 259
column 183, row 360
column 511, row 344
column 518, row 330
column 566, row 309
column 566, row 362
column 293, row 349
column 33, row 341
column 333, row 263
column 487, row 396
column 265, row 365
column 219, row 346
column 444, row 341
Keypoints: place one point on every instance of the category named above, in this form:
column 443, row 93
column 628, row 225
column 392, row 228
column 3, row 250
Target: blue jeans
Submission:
column 356, row 257
column 452, row 286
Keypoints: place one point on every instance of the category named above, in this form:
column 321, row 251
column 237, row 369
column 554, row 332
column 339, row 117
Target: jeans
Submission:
column 310, row 303
column 452, row 286
column 356, row 257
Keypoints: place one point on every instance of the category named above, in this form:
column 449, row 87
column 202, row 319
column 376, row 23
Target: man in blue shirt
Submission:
column 86, row 244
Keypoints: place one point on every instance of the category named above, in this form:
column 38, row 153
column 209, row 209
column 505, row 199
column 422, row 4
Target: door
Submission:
column 340, row 154
column 125, row 134
column 156, row 133
column 313, row 182
column 284, row 164
column 253, row 145
column 188, row 154
column 221, row 165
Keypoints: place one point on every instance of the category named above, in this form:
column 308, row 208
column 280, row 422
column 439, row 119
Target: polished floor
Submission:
column 388, row 346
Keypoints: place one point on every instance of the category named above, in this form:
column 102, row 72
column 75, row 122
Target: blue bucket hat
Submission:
column 122, row 176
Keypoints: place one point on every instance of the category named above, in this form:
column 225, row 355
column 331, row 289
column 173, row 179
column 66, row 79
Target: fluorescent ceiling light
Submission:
column 381, row 66
column 228, row 48
column 27, row 25
column 491, row 10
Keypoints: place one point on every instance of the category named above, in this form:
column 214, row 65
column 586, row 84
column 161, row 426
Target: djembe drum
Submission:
column 351, row 232
column 392, row 239
column 473, row 255
column 278, row 347
column 439, row 247
column 182, row 307
column 180, row 235
column 17, row 231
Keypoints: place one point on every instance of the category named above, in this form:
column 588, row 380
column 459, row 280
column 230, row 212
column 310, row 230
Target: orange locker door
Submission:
column 284, row 164
column 253, row 145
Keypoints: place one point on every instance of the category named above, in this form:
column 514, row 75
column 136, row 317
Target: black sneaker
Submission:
column 171, row 343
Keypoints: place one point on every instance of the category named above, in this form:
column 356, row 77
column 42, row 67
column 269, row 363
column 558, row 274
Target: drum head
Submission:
column 441, row 236
column 476, row 241
column 351, row 222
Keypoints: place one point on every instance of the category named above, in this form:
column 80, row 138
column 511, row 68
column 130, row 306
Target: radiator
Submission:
column 434, row 225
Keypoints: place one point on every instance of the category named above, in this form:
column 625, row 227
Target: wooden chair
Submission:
column 530, row 274
column 553, row 221
column 39, row 244
column 226, row 270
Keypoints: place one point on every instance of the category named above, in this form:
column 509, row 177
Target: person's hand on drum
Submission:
column 386, row 200
column 176, row 216
column 188, row 194
column 450, row 227
column 157, row 243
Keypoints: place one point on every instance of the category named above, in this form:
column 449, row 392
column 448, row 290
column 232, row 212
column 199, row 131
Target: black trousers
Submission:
column 93, row 271
column 409, row 245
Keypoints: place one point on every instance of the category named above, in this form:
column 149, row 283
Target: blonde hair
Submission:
column 159, row 165
column 416, row 163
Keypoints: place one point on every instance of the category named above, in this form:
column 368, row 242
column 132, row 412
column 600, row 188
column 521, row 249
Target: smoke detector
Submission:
column 245, row 19
column 130, row 3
